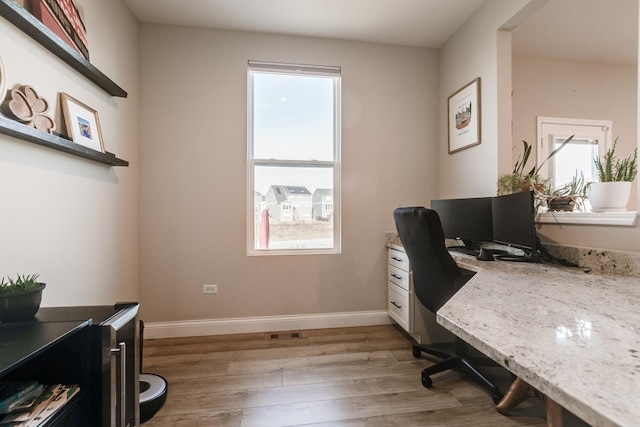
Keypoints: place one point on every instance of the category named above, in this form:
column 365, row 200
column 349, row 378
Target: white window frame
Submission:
column 564, row 128
column 252, row 163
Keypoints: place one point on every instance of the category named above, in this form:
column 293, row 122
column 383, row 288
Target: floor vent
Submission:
column 283, row 335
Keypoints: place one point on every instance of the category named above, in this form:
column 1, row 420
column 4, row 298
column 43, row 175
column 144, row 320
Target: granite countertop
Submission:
column 571, row 335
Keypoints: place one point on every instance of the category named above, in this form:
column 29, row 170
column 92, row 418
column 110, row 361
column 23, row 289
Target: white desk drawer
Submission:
column 399, row 259
column 398, row 305
column 399, row 277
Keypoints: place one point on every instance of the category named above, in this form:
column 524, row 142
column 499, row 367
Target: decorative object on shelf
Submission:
column 20, row 297
column 612, row 193
column 24, row 105
column 464, row 117
column 82, row 123
column 62, row 18
column 519, row 180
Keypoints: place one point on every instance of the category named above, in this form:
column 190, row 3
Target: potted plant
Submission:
column 612, row 192
column 518, row 180
column 569, row 196
column 20, row 297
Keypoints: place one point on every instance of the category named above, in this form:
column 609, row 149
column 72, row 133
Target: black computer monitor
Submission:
column 514, row 225
column 466, row 220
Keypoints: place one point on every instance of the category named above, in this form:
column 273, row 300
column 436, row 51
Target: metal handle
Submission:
column 396, row 259
column 394, row 275
column 395, row 304
column 121, row 351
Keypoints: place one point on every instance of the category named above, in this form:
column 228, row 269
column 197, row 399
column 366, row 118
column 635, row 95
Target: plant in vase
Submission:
column 20, row 297
column 615, row 175
column 519, row 180
column 570, row 196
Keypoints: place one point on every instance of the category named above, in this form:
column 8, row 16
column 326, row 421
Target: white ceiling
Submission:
column 427, row 23
column 584, row 30
column 581, row 30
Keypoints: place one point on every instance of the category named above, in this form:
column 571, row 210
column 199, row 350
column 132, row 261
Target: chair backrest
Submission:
column 435, row 273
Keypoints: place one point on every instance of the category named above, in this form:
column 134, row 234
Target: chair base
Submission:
column 456, row 360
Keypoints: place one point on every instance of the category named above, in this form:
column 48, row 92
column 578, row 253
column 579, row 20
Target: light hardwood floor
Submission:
column 349, row 377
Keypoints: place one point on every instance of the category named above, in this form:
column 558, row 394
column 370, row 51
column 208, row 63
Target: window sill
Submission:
column 593, row 218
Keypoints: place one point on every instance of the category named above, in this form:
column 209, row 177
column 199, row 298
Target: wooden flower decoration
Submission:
column 26, row 106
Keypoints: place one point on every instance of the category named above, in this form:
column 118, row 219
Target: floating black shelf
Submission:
column 28, row 23
column 18, row 130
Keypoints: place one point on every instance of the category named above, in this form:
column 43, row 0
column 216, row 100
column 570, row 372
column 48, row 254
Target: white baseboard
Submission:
column 191, row 328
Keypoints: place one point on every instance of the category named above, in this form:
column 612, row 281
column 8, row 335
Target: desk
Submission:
column 573, row 336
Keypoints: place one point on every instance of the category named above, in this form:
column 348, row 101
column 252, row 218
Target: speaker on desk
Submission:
column 153, row 389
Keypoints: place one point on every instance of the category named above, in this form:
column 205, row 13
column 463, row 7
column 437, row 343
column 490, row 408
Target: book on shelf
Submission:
column 46, row 405
column 13, row 393
column 52, row 15
column 73, row 15
column 29, row 400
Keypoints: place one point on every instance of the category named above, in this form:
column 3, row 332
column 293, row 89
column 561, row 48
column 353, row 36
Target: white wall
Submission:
column 554, row 88
column 474, row 52
column 193, row 175
column 71, row 220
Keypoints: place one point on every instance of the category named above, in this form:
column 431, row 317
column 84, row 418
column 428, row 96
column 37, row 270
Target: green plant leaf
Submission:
column 612, row 169
column 553, row 153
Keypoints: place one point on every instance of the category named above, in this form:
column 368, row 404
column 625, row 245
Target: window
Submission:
column 591, row 139
column 293, row 159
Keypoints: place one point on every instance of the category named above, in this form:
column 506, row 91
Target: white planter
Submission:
column 609, row 196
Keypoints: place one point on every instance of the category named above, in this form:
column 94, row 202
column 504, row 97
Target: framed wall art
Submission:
column 463, row 114
column 82, row 123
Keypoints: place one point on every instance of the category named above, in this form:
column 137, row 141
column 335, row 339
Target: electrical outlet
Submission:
column 209, row 289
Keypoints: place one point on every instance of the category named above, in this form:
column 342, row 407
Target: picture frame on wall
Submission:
column 82, row 123
column 463, row 112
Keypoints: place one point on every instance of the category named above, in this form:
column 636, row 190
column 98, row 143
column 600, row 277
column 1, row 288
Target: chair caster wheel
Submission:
column 426, row 381
column 417, row 353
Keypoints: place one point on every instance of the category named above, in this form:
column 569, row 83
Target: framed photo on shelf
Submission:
column 83, row 126
column 463, row 114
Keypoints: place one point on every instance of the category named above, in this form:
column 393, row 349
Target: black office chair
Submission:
column 436, row 277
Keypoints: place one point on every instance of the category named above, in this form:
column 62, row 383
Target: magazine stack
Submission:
column 31, row 404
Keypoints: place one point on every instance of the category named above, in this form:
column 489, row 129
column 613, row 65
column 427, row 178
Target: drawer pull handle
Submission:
column 396, row 304
column 396, row 276
column 396, row 259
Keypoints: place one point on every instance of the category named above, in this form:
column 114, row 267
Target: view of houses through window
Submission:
column 293, row 156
